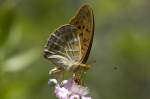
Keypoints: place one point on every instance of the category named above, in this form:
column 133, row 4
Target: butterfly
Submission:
column 68, row 47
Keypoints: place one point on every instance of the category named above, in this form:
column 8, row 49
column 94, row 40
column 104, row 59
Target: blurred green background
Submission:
column 121, row 47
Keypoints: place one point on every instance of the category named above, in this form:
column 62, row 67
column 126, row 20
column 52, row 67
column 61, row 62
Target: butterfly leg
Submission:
column 85, row 66
column 79, row 72
column 77, row 78
column 55, row 71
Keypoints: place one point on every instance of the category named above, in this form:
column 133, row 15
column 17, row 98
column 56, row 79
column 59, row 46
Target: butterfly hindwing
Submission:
column 63, row 46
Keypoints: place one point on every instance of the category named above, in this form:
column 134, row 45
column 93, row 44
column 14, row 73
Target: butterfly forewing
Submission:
column 84, row 21
column 62, row 47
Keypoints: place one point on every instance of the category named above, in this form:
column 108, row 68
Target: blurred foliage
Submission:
column 121, row 47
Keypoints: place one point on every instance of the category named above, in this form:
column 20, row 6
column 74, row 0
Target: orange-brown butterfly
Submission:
column 69, row 46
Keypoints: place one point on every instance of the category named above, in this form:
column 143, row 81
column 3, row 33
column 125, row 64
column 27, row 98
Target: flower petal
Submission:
column 68, row 84
column 61, row 92
column 74, row 97
column 86, row 98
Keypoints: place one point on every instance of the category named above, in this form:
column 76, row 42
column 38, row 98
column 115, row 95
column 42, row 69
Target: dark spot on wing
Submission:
column 85, row 40
column 87, row 30
column 83, row 27
column 85, row 44
column 79, row 27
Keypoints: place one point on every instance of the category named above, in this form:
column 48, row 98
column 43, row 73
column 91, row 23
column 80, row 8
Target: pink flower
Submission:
column 70, row 90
